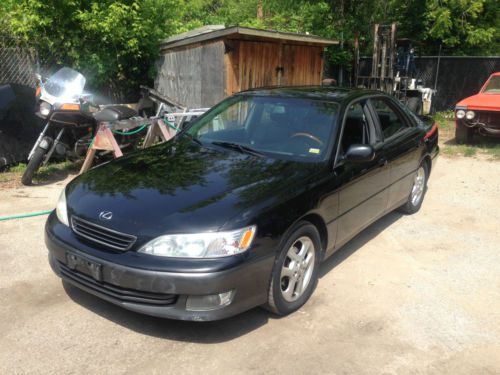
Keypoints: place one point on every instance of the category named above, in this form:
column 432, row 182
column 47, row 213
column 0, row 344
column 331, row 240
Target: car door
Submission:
column 363, row 195
column 401, row 147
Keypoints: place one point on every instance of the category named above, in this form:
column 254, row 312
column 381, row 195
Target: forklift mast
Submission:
column 383, row 60
column 393, row 69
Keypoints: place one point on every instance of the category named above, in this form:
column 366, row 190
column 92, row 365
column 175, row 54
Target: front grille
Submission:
column 490, row 119
column 117, row 293
column 102, row 235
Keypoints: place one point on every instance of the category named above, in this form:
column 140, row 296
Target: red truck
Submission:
column 480, row 113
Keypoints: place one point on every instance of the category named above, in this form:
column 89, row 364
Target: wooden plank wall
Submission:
column 212, row 74
column 201, row 75
column 258, row 63
column 254, row 64
column 303, row 65
column 193, row 76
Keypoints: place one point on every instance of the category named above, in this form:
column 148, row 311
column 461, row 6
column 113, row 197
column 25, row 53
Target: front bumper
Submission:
column 164, row 294
column 486, row 122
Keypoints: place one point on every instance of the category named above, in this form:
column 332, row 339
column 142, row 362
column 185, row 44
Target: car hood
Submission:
column 181, row 187
column 481, row 101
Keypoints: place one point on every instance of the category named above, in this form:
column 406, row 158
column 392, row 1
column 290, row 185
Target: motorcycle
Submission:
column 71, row 120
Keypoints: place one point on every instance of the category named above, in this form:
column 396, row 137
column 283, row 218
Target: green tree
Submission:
column 114, row 43
column 464, row 26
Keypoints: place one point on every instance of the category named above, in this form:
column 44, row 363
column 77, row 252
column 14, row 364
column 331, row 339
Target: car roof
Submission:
column 329, row 93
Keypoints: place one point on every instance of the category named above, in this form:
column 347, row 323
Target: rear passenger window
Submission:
column 390, row 121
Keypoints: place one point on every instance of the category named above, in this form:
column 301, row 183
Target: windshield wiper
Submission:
column 238, row 147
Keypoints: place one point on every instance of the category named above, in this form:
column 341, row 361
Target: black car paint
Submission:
column 184, row 187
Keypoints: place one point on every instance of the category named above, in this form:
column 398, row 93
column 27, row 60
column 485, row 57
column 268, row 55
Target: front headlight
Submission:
column 201, row 245
column 469, row 115
column 61, row 209
column 45, row 108
column 460, row 113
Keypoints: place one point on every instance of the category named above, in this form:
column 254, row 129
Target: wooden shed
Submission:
column 201, row 67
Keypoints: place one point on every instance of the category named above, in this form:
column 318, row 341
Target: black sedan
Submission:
column 241, row 207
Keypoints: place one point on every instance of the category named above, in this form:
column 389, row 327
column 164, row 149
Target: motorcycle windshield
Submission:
column 66, row 83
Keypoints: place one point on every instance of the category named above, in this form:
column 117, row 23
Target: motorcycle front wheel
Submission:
column 35, row 162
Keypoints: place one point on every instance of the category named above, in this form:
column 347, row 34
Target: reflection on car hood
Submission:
column 182, row 187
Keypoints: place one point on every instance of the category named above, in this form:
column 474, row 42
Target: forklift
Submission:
column 393, row 70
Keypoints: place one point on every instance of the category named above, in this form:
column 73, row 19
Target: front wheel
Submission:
column 34, row 163
column 295, row 272
column 463, row 134
column 418, row 191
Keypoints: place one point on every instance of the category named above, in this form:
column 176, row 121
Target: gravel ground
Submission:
column 410, row 295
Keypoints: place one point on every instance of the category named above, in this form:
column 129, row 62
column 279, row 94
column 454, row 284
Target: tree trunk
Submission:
column 260, row 12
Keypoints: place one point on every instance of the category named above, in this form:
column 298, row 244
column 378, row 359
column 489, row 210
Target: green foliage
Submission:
column 115, row 43
column 467, row 26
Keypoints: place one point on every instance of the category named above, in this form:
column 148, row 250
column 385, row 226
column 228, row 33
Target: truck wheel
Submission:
column 414, row 104
column 463, row 134
column 34, row 163
column 295, row 271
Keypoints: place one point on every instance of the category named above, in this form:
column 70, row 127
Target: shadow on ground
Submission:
column 218, row 331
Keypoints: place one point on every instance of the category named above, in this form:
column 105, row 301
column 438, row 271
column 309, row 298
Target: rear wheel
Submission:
column 295, row 272
column 35, row 162
column 418, row 190
column 463, row 134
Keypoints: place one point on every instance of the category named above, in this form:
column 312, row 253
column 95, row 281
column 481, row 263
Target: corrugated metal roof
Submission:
column 210, row 32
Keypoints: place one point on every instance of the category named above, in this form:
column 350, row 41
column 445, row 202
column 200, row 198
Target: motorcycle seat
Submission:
column 114, row 113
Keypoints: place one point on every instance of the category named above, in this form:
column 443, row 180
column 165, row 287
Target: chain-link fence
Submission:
column 19, row 126
column 17, row 62
column 454, row 77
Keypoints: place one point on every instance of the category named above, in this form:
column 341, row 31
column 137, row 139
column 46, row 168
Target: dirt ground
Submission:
column 410, row 295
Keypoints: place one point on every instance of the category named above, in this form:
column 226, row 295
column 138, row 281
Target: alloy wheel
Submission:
column 417, row 192
column 297, row 269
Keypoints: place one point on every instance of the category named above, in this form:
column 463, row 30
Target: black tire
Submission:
column 411, row 206
column 463, row 134
column 33, row 165
column 414, row 104
column 276, row 301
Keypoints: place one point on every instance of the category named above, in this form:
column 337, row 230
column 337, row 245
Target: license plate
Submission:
column 83, row 265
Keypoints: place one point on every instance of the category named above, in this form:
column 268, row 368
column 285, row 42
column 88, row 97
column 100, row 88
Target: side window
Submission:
column 390, row 121
column 356, row 130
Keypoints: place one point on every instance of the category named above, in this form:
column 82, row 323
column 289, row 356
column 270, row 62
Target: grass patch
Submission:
column 459, row 150
column 482, row 147
column 492, row 150
column 445, row 120
column 45, row 173
column 20, row 168
column 49, row 170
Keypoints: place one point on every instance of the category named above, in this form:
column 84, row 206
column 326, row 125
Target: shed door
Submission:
column 301, row 65
column 258, row 63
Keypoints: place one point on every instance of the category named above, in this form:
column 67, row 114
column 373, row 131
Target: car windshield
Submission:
column 283, row 128
column 493, row 86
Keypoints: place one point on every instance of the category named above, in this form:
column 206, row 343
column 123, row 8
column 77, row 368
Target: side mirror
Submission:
column 358, row 153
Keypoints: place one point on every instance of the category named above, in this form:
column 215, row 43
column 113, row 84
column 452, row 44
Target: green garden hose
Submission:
column 130, row 132
column 171, row 125
column 25, row 215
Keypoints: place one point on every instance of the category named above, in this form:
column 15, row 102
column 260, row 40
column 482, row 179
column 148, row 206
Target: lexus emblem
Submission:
column 105, row 215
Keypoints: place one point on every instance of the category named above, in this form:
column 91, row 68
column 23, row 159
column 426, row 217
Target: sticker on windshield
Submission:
column 314, row 150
